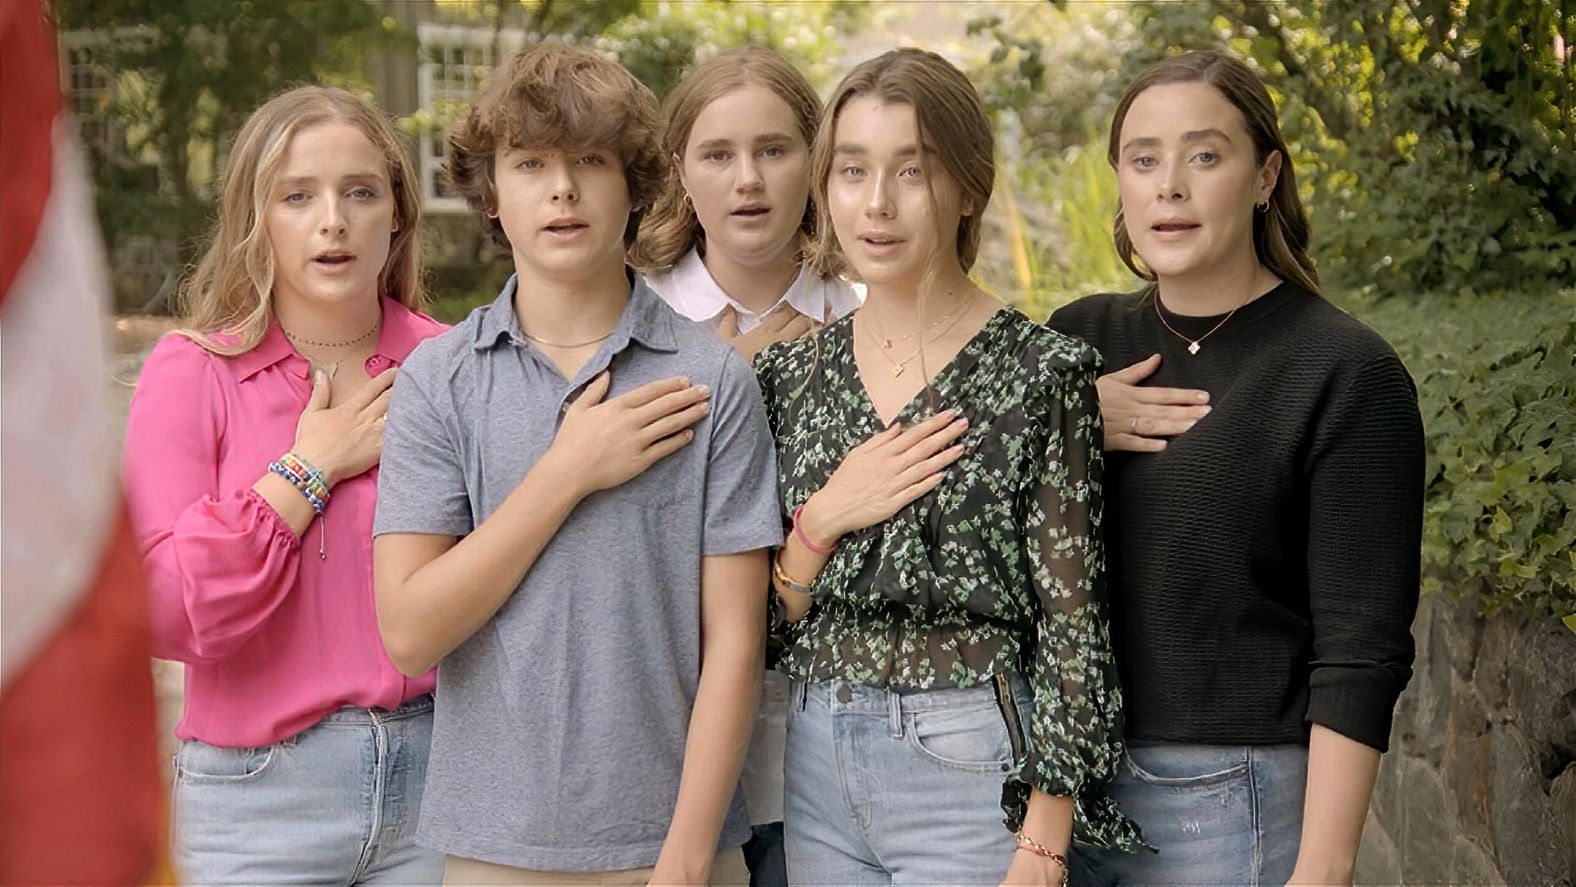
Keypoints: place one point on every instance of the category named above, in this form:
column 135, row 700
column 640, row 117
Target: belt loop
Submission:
column 895, row 713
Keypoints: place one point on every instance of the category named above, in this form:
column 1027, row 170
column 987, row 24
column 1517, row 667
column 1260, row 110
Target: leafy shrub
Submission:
column 1496, row 378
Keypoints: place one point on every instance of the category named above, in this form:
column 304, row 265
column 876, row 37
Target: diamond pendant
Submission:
column 1192, row 348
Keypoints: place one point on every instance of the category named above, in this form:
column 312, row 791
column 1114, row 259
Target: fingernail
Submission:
column 954, row 411
column 1192, row 423
column 703, row 389
column 961, row 423
column 1202, row 396
column 318, row 377
column 1207, row 409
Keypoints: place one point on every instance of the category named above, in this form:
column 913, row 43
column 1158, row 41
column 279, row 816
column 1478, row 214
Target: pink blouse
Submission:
column 274, row 635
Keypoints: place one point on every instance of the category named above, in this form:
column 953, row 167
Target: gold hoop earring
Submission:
column 1262, row 206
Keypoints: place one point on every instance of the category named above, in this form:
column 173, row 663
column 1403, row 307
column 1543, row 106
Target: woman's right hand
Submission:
column 1139, row 418
column 883, row 474
column 345, row 440
column 781, row 324
column 600, row 444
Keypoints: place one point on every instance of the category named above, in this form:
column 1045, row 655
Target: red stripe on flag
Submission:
column 32, row 100
column 79, row 760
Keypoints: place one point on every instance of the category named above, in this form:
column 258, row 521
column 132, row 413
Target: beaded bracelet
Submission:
column 304, row 477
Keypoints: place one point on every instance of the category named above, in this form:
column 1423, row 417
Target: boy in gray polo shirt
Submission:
column 575, row 500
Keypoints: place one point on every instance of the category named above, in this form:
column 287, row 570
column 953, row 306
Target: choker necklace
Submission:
column 332, row 368
column 1195, row 345
column 566, row 345
column 376, row 325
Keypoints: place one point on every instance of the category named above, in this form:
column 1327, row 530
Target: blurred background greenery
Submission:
column 1435, row 140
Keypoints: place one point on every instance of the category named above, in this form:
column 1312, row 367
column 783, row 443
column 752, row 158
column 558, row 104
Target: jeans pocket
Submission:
column 1187, row 766
column 200, row 762
column 973, row 739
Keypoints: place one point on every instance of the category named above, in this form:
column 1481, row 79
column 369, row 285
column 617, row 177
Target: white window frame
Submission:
column 433, row 39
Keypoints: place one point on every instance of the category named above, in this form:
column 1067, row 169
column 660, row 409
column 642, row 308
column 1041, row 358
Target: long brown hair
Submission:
column 672, row 229
column 952, row 124
column 1280, row 234
column 230, row 291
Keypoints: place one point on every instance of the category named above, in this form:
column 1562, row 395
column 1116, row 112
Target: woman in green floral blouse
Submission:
column 940, row 468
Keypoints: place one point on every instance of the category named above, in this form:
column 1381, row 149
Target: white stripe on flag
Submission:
column 60, row 482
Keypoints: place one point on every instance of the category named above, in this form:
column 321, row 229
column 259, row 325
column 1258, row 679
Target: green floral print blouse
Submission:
column 997, row 570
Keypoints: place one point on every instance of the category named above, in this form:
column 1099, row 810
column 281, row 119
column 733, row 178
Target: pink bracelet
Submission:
column 804, row 539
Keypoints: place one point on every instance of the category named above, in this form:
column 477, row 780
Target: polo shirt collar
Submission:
column 396, row 339
column 645, row 320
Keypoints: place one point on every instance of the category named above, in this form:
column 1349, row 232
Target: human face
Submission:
column 330, row 217
column 564, row 210
column 745, row 169
column 894, row 208
column 1189, row 181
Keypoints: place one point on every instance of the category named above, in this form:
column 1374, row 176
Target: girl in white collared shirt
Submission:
column 724, row 245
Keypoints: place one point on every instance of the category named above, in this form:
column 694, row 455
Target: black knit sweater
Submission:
column 1264, row 566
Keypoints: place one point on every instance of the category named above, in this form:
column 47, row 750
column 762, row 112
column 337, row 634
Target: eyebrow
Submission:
column 861, row 150
column 1192, row 135
column 292, row 181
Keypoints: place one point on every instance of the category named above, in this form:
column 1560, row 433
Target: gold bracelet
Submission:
column 1027, row 843
column 782, row 578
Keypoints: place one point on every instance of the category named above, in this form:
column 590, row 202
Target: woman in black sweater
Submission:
column 1265, row 502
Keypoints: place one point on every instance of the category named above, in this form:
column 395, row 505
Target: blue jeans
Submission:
column 1218, row 814
column 334, row 804
column 886, row 788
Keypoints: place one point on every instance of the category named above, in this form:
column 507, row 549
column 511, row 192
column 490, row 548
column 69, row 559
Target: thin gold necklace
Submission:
column 376, row 325
column 898, row 366
column 1194, row 345
column 886, row 343
column 540, row 341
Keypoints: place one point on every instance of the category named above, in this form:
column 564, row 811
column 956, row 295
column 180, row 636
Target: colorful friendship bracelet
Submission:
column 304, row 477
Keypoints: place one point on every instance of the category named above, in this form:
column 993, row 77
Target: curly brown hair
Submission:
column 557, row 96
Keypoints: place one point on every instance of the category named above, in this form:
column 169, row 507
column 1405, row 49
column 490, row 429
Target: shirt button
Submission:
column 844, row 695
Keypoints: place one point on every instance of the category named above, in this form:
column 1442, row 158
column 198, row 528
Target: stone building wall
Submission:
column 1479, row 786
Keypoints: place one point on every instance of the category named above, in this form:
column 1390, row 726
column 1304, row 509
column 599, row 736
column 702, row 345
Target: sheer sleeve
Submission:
column 1075, row 730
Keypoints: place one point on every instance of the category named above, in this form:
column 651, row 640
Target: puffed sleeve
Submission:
column 219, row 562
column 1075, row 730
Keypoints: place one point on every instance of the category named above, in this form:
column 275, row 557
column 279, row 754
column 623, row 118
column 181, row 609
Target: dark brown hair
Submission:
column 556, row 96
column 952, row 124
column 1280, row 234
column 671, row 229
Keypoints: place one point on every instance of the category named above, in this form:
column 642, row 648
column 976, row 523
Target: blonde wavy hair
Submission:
column 672, row 229
column 227, row 299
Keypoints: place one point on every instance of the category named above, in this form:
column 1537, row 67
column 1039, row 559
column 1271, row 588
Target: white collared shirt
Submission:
column 689, row 288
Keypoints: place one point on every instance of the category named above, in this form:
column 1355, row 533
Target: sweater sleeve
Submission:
column 1365, row 494
column 1075, row 730
column 219, row 561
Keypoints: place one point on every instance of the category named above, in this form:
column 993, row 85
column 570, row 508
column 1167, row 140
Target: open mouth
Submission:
column 880, row 239
column 752, row 211
column 1172, row 227
column 334, row 259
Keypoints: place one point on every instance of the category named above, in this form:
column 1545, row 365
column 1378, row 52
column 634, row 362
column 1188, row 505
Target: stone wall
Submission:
column 1479, row 786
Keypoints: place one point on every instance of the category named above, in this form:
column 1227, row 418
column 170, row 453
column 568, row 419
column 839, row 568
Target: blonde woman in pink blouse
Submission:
column 251, row 467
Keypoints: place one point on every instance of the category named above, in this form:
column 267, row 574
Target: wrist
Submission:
column 562, row 473
column 817, row 524
column 328, row 471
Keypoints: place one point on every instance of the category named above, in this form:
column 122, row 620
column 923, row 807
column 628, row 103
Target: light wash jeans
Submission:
column 1218, row 814
column 883, row 788
column 335, row 804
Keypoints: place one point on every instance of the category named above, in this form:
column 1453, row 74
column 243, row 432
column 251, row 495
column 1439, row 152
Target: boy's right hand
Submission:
column 345, row 440
column 603, row 444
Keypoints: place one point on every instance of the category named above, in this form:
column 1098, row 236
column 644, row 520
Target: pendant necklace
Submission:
column 1195, row 345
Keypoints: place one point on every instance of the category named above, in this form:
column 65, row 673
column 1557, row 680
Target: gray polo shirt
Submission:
column 559, row 736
